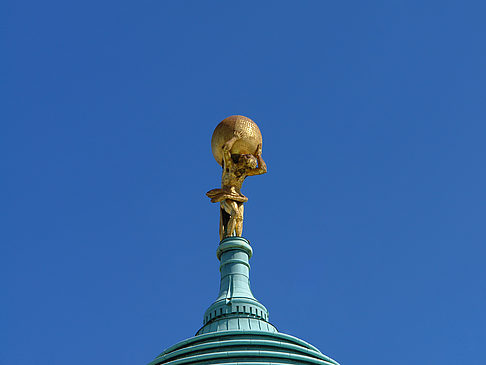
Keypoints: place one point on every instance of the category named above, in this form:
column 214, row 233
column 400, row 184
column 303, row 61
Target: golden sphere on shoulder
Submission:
column 251, row 136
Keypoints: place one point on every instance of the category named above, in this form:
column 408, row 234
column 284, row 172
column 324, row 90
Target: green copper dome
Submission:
column 236, row 330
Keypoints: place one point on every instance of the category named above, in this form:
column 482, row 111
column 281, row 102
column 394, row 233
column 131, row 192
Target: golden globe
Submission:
column 224, row 131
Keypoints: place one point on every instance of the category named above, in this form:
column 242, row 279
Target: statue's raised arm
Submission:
column 262, row 166
column 228, row 145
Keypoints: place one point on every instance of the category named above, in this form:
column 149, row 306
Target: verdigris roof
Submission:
column 242, row 348
column 236, row 330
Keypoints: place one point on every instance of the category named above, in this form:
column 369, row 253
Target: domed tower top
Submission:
column 236, row 328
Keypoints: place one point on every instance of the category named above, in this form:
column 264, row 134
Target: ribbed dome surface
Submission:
column 242, row 348
column 236, row 329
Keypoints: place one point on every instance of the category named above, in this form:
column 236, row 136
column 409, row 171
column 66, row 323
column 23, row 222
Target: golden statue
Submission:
column 237, row 147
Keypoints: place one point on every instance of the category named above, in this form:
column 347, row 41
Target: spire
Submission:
column 236, row 328
column 235, row 308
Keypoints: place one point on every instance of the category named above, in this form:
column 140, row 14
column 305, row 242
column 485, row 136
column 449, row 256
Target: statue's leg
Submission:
column 225, row 217
column 239, row 220
column 231, row 207
column 221, row 222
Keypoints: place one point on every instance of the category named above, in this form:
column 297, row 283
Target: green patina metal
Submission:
column 236, row 329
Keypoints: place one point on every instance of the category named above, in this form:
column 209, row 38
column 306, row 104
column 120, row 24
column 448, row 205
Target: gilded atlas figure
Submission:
column 237, row 147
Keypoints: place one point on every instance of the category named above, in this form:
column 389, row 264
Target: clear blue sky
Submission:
column 368, row 230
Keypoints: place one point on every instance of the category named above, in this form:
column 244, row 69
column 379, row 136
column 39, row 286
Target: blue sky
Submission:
column 368, row 230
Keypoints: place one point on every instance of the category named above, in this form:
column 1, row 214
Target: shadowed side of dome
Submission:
column 238, row 347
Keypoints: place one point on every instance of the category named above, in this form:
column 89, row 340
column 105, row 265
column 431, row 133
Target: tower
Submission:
column 236, row 328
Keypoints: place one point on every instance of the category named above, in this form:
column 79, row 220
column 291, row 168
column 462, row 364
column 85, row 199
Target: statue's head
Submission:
column 248, row 161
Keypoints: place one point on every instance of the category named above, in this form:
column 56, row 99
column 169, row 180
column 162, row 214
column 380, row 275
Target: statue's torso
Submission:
column 233, row 178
